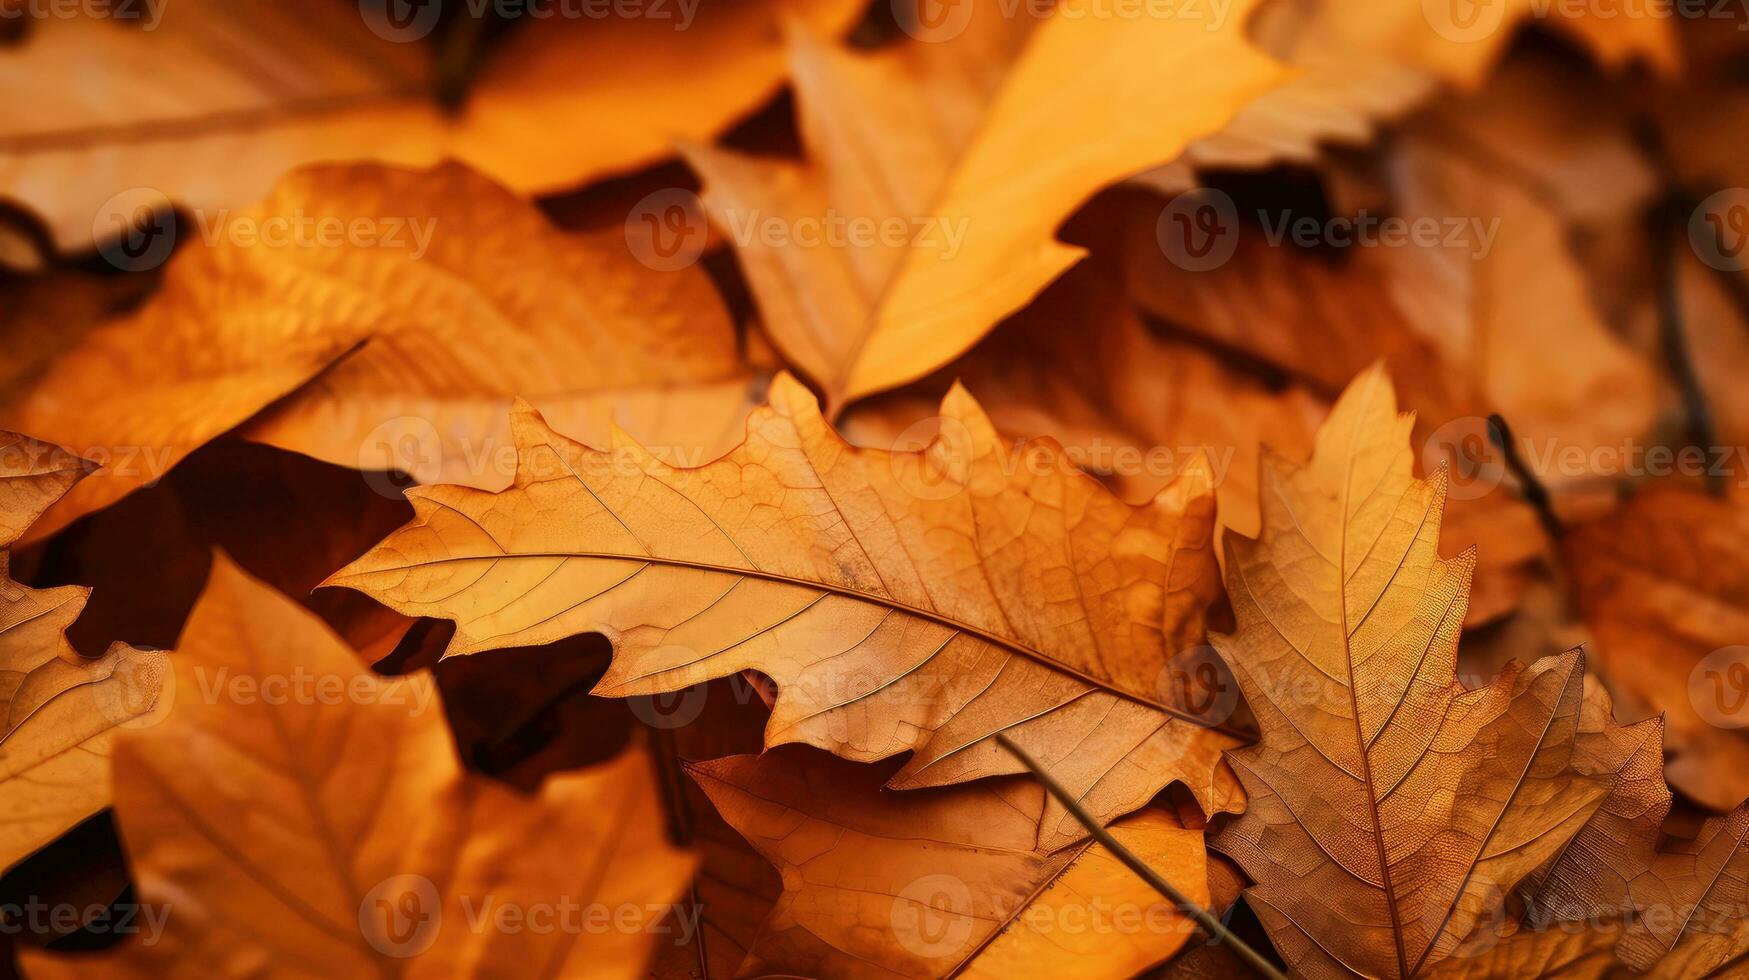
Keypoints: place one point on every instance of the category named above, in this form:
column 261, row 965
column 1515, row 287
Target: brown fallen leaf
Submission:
column 1460, row 41
column 1130, row 405
column 1663, row 585
column 285, row 826
column 1390, row 809
column 1592, row 879
column 1581, row 953
column 1692, row 920
column 946, row 882
column 1335, row 96
column 58, row 711
column 416, row 345
column 906, row 601
column 978, row 198
column 1683, row 906
column 220, row 98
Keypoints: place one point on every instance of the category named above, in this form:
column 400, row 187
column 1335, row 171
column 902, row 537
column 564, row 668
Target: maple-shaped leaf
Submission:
column 293, row 813
column 422, row 329
column 903, row 601
column 58, row 711
column 974, row 147
column 215, row 100
column 1390, row 809
column 944, row 882
column 1663, row 584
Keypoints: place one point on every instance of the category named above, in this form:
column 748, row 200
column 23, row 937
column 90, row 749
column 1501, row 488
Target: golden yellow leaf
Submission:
column 293, row 813
column 947, row 882
column 58, row 711
column 219, row 98
column 907, row 601
column 1390, row 809
column 948, row 139
column 462, row 298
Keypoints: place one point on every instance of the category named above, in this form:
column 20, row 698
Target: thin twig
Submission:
column 1532, row 488
column 1215, row 929
column 1666, row 218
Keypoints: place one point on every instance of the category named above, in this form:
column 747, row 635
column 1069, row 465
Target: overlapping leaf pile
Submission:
column 626, row 556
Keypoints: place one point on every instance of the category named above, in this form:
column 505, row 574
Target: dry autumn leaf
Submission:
column 293, row 814
column 947, row 882
column 1460, row 41
column 976, row 185
column 918, row 601
column 1692, row 920
column 1663, row 586
column 59, row 712
column 1130, row 405
column 1381, row 787
column 207, row 103
column 404, row 354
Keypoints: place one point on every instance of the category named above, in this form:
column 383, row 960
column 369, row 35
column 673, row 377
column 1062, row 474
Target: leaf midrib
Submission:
column 889, row 602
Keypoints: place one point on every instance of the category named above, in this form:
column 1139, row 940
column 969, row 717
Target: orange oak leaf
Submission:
column 59, row 712
column 944, row 139
column 398, row 351
column 1390, row 809
column 945, row 882
column 292, row 813
column 905, row 601
column 217, row 99
column 1663, row 585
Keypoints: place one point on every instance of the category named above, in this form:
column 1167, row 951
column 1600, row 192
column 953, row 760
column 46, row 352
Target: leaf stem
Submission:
column 1534, row 492
column 1208, row 923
